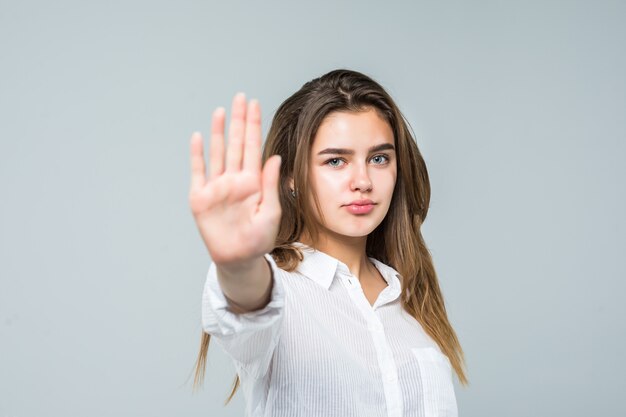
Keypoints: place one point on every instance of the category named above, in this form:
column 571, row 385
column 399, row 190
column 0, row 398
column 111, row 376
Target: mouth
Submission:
column 360, row 207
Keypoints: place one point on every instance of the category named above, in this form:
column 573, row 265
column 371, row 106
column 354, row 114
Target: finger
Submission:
column 236, row 133
column 216, row 150
column 252, row 146
column 198, row 178
column 270, row 203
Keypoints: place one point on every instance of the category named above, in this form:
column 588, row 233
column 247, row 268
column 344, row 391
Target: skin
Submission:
column 352, row 158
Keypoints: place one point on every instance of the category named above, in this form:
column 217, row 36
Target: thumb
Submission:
column 269, row 183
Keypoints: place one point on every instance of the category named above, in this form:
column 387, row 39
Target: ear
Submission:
column 291, row 183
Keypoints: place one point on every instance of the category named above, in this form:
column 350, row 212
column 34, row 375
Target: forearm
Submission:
column 247, row 286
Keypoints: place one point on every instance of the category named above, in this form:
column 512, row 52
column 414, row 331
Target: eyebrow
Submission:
column 342, row 151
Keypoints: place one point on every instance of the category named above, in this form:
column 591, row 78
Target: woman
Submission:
column 322, row 289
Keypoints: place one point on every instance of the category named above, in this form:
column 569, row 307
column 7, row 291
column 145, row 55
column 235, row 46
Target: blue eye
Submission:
column 380, row 159
column 334, row 162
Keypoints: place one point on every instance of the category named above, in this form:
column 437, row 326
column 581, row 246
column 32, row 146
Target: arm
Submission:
column 248, row 337
column 236, row 208
column 237, row 212
column 247, row 287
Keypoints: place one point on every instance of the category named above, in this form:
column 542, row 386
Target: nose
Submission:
column 361, row 180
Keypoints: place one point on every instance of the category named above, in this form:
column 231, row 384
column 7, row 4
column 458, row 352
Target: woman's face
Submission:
column 353, row 170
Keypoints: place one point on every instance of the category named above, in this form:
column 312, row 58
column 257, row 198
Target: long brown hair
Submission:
column 398, row 240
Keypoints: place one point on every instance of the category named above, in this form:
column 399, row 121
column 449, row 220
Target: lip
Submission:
column 360, row 206
column 360, row 203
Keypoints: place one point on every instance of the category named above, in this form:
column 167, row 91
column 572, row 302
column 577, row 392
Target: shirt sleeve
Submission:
column 249, row 338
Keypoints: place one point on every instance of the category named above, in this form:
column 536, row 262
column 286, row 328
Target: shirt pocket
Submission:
column 436, row 376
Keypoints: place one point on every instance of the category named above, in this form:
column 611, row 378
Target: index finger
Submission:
column 197, row 161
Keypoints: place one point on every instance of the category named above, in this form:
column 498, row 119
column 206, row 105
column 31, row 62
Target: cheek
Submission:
column 330, row 182
column 386, row 180
column 330, row 186
column 319, row 186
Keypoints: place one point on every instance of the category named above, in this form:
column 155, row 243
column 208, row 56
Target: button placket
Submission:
column 350, row 281
column 386, row 362
column 390, row 377
column 375, row 325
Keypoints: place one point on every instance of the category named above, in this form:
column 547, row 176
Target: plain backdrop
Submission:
column 518, row 107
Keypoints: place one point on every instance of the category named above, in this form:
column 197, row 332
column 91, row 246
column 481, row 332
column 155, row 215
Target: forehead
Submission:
column 352, row 130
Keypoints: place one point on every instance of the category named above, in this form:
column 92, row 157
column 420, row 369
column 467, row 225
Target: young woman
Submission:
column 321, row 288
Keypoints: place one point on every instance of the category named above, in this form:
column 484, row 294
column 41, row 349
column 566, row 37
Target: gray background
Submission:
column 519, row 109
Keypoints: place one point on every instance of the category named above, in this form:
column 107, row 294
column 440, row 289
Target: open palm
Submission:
column 236, row 208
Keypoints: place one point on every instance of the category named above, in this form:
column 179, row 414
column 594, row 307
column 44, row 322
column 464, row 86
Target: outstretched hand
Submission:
column 236, row 208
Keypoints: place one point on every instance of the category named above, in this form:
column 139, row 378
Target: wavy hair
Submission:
column 397, row 241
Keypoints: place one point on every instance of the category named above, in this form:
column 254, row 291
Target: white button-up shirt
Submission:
column 319, row 348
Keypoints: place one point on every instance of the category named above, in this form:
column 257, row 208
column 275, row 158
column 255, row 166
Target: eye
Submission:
column 380, row 159
column 335, row 162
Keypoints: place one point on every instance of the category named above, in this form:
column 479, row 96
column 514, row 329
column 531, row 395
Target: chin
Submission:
column 356, row 230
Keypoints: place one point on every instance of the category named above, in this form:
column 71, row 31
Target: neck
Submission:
column 349, row 250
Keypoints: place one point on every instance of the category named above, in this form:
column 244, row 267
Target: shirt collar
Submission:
column 316, row 265
column 321, row 268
